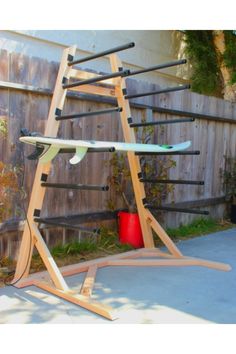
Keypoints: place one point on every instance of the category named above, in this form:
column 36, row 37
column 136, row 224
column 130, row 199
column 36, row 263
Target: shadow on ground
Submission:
column 142, row 294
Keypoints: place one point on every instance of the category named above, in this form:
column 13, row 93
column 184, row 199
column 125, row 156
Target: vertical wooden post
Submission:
column 38, row 192
column 132, row 158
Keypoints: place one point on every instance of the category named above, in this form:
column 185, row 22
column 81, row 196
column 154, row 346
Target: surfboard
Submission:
column 47, row 148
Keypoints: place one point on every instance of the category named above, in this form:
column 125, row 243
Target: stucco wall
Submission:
column 152, row 47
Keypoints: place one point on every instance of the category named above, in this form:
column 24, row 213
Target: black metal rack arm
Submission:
column 75, row 186
column 158, row 67
column 121, row 73
column 101, row 54
column 65, row 225
column 195, row 152
column 176, row 112
column 181, row 210
column 88, row 114
column 158, row 92
column 145, row 124
column 171, row 181
column 70, row 151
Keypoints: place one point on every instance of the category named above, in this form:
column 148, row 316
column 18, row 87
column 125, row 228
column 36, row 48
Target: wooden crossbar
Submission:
column 85, row 75
column 53, row 279
column 94, row 90
column 97, row 78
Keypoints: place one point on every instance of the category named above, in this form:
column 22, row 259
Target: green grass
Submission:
column 73, row 248
column 198, row 227
column 107, row 243
column 108, row 240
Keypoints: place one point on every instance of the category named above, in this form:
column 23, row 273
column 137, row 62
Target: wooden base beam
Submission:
column 83, row 301
column 77, row 268
column 87, row 287
column 131, row 259
column 170, row 262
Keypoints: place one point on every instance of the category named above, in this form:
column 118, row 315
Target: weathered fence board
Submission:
column 27, row 106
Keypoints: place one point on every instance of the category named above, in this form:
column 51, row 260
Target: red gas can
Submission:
column 129, row 229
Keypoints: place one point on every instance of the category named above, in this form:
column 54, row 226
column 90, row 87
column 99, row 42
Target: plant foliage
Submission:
column 3, row 127
column 151, row 167
column 205, row 78
column 207, row 61
column 8, row 186
column 8, row 180
column 229, row 55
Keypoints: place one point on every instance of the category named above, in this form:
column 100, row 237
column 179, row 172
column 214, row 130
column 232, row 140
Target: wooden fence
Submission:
column 26, row 87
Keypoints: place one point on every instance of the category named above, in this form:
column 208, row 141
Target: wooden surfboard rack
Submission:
column 53, row 279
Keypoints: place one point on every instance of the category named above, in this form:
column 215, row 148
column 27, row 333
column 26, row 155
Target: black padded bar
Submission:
column 158, row 67
column 101, row 54
column 97, row 79
column 172, row 181
column 70, row 151
column 145, row 124
column 75, row 186
column 196, row 152
column 168, row 89
column 181, row 210
column 192, row 114
column 63, row 224
column 79, row 219
column 87, row 114
column 111, row 149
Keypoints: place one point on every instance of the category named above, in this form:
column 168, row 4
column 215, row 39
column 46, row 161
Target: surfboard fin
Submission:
column 36, row 153
column 49, row 154
column 79, row 155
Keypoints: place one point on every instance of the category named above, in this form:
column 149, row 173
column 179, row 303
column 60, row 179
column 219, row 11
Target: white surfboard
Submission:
column 48, row 148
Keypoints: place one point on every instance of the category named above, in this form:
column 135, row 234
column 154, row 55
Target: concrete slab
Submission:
column 143, row 295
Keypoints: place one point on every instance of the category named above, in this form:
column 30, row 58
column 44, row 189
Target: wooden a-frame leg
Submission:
column 38, row 192
column 147, row 221
column 48, row 260
column 83, row 301
column 161, row 233
column 133, row 160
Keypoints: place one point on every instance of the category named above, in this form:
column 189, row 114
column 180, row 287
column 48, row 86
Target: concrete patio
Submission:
column 143, row 295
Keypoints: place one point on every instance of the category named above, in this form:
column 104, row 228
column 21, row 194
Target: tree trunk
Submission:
column 229, row 89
